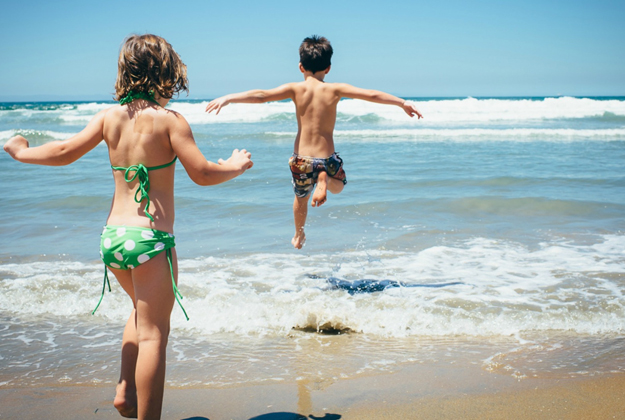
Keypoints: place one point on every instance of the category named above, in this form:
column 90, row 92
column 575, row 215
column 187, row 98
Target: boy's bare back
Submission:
column 315, row 108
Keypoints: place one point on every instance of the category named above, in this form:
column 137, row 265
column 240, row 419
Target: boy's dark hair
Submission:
column 315, row 53
column 149, row 63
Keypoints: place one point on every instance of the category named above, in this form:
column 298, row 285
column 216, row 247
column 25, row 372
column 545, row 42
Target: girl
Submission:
column 144, row 141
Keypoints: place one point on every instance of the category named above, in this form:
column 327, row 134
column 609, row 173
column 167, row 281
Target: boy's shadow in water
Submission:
column 372, row 286
column 282, row 416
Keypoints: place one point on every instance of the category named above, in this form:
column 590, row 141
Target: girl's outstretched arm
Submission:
column 60, row 152
column 200, row 170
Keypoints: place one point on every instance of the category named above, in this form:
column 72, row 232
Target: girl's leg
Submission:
column 126, row 396
column 154, row 300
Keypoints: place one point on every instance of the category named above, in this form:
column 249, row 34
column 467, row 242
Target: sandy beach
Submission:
column 415, row 392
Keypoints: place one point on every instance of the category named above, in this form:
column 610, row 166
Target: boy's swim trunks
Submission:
column 126, row 247
column 305, row 171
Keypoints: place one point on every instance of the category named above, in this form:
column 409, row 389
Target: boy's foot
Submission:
column 321, row 191
column 299, row 240
column 125, row 402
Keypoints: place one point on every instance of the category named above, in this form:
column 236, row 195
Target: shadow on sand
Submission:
column 282, row 416
column 294, row 416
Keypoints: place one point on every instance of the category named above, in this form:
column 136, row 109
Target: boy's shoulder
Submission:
column 325, row 86
column 339, row 86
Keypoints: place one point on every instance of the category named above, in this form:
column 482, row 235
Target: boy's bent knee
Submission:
column 335, row 186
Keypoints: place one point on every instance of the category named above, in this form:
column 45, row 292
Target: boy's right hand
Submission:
column 240, row 159
column 217, row 104
column 14, row 145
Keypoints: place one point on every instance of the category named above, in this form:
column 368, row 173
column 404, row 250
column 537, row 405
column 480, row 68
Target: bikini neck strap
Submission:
column 131, row 96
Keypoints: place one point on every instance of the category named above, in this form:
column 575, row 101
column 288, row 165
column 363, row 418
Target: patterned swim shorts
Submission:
column 305, row 171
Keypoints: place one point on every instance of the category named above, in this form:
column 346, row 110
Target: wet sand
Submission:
column 414, row 392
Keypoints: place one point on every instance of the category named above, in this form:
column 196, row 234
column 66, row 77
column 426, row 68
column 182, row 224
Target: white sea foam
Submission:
column 468, row 110
column 82, row 113
column 482, row 110
column 477, row 134
column 494, row 288
column 29, row 134
column 63, row 113
column 413, row 134
column 234, row 113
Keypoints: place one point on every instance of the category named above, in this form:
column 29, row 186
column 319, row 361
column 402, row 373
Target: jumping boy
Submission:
column 144, row 142
column 314, row 159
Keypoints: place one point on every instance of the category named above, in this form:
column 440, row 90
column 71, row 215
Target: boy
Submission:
column 314, row 160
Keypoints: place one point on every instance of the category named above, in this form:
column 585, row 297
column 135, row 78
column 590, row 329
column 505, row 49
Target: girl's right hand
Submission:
column 14, row 145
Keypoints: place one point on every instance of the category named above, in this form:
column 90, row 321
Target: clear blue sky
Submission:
column 68, row 49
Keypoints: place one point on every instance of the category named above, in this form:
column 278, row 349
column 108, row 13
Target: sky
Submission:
column 67, row 50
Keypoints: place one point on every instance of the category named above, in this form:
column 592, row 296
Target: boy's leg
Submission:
column 154, row 298
column 335, row 186
column 324, row 183
column 300, row 211
column 126, row 393
column 321, row 194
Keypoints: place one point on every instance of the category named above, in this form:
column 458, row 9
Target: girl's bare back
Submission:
column 138, row 133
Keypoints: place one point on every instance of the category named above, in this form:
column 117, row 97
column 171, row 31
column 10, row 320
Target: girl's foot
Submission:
column 126, row 402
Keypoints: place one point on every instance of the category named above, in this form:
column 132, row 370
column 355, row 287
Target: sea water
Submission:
column 497, row 225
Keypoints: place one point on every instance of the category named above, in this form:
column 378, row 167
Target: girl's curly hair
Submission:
column 148, row 63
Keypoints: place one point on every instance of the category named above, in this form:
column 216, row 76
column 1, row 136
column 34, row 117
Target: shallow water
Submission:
column 514, row 206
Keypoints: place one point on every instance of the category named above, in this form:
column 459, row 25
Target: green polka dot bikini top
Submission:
column 140, row 170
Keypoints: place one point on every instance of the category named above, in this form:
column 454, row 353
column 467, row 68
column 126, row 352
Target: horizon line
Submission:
column 96, row 98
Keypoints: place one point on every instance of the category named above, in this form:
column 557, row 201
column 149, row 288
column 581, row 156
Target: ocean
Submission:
column 491, row 232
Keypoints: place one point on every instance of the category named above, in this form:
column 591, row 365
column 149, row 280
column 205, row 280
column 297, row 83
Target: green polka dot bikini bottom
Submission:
column 127, row 247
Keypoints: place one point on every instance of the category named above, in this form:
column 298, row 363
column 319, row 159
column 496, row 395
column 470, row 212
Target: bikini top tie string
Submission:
column 141, row 172
column 144, row 185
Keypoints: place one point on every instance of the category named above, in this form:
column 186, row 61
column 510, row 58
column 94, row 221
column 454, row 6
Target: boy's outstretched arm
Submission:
column 58, row 153
column 200, row 170
column 349, row 91
column 256, row 96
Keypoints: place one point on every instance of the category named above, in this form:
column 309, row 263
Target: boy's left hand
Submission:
column 411, row 110
column 14, row 145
